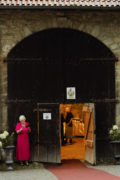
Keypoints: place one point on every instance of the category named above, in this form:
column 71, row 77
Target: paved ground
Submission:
column 74, row 170
column 69, row 170
column 28, row 174
column 112, row 169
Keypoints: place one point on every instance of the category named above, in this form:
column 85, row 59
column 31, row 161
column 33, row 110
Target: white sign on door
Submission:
column 47, row 116
column 71, row 92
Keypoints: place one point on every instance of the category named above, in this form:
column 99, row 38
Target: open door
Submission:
column 47, row 148
column 90, row 138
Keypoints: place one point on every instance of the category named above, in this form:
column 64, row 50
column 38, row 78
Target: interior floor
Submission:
column 76, row 150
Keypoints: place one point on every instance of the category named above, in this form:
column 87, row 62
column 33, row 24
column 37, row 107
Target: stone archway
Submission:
column 53, row 19
column 23, row 23
column 47, row 48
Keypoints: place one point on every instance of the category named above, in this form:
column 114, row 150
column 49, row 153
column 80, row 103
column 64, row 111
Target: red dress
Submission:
column 23, row 147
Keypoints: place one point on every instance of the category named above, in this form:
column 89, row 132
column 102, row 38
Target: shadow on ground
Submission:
column 17, row 166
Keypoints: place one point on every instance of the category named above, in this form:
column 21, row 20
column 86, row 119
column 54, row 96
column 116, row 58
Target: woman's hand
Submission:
column 19, row 131
column 23, row 126
column 29, row 129
column 69, row 122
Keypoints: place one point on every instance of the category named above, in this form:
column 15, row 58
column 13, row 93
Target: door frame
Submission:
column 94, row 121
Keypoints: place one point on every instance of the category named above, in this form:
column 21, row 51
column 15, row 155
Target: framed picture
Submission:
column 71, row 92
column 47, row 116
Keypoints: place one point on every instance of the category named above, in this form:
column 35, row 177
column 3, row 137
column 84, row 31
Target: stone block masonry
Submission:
column 15, row 25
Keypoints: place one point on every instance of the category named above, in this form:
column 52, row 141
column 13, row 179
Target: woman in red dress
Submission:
column 23, row 147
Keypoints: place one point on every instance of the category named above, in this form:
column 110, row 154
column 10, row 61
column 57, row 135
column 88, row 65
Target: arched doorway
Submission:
column 43, row 65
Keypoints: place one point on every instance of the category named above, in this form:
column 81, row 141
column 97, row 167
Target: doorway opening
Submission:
column 79, row 142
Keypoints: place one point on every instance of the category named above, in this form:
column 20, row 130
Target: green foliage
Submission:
column 7, row 139
column 10, row 140
column 114, row 133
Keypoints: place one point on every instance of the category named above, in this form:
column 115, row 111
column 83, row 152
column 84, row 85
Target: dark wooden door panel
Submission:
column 41, row 67
column 49, row 134
column 52, row 153
column 43, row 153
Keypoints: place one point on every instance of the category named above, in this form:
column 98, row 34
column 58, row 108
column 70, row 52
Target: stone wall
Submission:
column 15, row 25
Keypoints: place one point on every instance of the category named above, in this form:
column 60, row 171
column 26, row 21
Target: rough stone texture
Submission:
column 15, row 25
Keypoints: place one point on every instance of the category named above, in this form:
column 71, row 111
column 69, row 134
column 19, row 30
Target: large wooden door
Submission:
column 47, row 148
column 90, row 139
column 75, row 59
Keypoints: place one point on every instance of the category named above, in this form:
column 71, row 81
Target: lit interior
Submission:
column 81, row 115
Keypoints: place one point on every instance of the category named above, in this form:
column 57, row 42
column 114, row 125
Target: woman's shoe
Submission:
column 21, row 163
column 26, row 163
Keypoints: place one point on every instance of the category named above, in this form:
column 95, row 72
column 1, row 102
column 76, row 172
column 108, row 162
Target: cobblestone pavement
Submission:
column 28, row 174
column 112, row 169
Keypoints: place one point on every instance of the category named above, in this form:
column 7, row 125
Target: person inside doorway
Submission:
column 63, row 135
column 68, row 119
